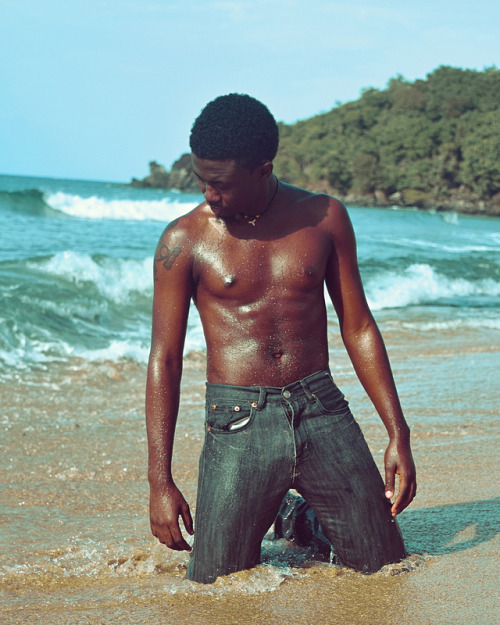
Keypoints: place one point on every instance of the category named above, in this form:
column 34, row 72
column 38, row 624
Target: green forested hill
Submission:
column 432, row 142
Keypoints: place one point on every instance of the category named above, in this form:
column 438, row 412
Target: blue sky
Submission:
column 95, row 89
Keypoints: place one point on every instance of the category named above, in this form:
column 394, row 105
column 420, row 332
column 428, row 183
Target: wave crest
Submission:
column 113, row 278
column 421, row 284
column 164, row 209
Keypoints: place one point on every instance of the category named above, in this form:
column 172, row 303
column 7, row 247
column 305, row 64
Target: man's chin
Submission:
column 219, row 211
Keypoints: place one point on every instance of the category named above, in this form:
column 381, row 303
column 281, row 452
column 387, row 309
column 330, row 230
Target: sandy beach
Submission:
column 75, row 327
column 75, row 530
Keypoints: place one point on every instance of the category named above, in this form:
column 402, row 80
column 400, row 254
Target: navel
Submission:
column 229, row 281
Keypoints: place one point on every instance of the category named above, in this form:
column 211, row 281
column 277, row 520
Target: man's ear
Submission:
column 265, row 170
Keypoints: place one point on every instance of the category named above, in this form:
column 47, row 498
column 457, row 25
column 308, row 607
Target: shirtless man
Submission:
column 254, row 257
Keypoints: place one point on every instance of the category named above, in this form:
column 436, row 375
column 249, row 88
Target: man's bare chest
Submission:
column 228, row 266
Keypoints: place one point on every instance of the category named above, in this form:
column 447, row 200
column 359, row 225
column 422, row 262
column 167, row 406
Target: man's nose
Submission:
column 210, row 194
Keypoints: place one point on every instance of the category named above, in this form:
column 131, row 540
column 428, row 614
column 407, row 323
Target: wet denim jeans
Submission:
column 262, row 441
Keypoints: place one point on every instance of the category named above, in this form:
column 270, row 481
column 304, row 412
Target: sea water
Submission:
column 75, row 321
column 76, row 268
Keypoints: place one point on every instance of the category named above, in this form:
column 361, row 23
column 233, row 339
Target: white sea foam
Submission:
column 30, row 353
column 115, row 279
column 495, row 236
column 118, row 279
column 460, row 248
column 94, row 207
column 116, row 350
column 104, row 289
column 420, row 284
column 451, row 218
column 89, row 558
column 487, row 323
column 22, row 357
column 122, row 289
column 137, row 349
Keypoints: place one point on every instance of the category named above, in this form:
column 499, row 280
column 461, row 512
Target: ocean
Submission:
column 75, row 320
column 76, row 269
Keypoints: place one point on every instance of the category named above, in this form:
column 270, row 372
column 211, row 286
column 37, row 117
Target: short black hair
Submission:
column 237, row 127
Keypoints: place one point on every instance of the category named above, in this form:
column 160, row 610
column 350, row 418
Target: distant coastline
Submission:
column 432, row 144
column 461, row 201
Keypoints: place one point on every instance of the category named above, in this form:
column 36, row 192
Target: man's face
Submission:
column 229, row 189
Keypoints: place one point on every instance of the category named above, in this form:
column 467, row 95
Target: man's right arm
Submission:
column 173, row 286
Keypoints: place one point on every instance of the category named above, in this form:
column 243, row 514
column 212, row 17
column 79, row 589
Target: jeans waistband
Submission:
column 259, row 394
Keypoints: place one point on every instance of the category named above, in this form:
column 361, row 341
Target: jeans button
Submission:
column 287, row 394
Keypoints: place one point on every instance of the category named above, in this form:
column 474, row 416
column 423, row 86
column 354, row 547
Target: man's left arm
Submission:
column 367, row 352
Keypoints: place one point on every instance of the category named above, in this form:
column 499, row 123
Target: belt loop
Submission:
column 305, row 388
column 262, row 398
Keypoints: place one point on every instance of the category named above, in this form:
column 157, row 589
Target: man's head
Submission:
column 235, row 127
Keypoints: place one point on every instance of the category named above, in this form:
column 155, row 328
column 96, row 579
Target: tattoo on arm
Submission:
column 166, row 256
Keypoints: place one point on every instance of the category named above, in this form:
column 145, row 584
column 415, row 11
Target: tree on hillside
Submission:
column 434, row 137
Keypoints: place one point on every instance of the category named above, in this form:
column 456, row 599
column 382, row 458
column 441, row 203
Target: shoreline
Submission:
column 75, row 456
column 460, row 200
column 75, row 462
column 478, row 208
column 409, row 199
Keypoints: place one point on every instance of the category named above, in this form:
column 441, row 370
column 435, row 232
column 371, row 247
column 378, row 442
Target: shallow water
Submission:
column 74, row 528
column 75, row 300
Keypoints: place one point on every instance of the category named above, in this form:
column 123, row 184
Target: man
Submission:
column 254, row 257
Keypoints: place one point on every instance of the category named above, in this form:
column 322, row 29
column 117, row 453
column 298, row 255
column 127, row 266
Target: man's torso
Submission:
column 260, row 293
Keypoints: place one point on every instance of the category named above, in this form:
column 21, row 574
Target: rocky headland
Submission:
column 462, row 200
column 180, row 177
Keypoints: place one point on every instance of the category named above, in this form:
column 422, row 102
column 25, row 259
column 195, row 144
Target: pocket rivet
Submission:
column 237, row 409
column 214, row 406
column 254, row 404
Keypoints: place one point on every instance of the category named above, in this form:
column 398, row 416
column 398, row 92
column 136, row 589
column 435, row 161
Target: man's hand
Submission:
column 399, row 461
column 164, row 512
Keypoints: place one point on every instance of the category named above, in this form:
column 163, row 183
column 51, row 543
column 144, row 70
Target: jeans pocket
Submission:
column 331, row 400
column 229, row 417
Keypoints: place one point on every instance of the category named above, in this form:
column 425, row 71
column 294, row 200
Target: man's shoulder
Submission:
column 176, row 246
column 330, row 211
column 186, row 227
column 313, row 197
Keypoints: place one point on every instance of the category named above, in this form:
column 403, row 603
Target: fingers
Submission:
column 399, row 461
column 187, row 520
column 390, row 474
column 165, row 510
column 169, row 532
column 178, row 541
column 172, row 537
column 407, row 491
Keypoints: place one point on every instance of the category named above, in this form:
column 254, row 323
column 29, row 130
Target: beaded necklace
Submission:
column 252, row 219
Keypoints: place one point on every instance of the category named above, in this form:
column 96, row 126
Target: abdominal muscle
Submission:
column 272, row 343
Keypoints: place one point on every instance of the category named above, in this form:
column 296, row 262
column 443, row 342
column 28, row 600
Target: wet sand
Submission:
column 76, row 546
